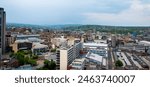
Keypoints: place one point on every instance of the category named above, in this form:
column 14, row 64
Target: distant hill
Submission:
column 101, row 28
column 41, row 26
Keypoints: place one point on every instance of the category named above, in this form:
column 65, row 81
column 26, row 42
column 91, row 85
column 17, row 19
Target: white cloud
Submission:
column 108, row 12
column 137, row 14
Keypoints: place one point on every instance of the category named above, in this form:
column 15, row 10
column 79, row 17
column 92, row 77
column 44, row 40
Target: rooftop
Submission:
column 146, row 43
column 22, row 41
column 79, row 61
column 94, row 57
column 38, row 46
column 95, row 44
column 29, row 40
column 36, row 35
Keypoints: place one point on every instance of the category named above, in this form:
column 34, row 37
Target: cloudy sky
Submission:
column 101, row 12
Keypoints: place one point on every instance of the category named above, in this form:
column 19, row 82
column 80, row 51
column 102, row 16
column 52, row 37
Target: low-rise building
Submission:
column 30, row 42
column 97, row 48
column 39, row 49
column 78, row 64
column 97, row 59
column 21, row 45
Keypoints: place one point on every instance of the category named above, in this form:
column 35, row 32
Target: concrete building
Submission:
column 30, row 42
column 97, row 48
column 2, row 30
column 113, row 41
column 97, row 53
column 144, row 43
column 31, row 38
column 39, row 49
column 97, row 59
column 66, row 55
column 21, row 45
column 100, row 41
column 78, row 64
column 10, row 39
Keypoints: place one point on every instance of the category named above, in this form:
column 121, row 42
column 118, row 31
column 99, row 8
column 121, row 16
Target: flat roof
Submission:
column 79, row 61
column 95, row 44
column 28, row 35
column 29, row 40
column 38, row 46
column 22, row 41
column 94, row 56
column 145, row 42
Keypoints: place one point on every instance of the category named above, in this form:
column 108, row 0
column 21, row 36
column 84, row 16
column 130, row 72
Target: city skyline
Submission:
column 50, row 12
column 83, row 47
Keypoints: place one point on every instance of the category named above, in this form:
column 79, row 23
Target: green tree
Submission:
column 53, row 50
column 118, row 63
column 35, row 57
column 32, row 62
column 26, row 60
column 53, row 65
column 23, row 58
column 50, row 65
column 20, row 57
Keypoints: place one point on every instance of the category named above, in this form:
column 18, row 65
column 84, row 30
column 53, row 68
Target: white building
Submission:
column 95, row 45
column 97, row 53
column 100, row 41
column 30, row 38
column 144, row 43
column 97, row 48
column 66, row 55
column 100, row 60
column 78, row 64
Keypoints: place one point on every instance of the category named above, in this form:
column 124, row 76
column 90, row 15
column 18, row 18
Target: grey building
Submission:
column 2, row 31
column 113, row 40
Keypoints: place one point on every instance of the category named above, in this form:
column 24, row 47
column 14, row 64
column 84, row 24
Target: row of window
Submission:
column 0, row 21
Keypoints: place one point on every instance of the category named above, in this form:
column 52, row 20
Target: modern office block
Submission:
column 65, row 56
column 2, row 31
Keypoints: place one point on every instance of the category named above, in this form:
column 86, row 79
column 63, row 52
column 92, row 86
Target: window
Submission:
column 0, row 26
column 0, row 21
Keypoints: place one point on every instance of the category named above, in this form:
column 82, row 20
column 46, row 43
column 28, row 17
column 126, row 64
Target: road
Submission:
column 110, row 59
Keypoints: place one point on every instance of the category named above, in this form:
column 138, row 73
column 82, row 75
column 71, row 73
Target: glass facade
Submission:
column 2, row 31
column 0, row 26
column 0, row 34
column 0, row 21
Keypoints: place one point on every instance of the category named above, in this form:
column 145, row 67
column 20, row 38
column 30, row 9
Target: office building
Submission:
column 97, row 48
column 66, row 55
column 30, row 42
column 2, row 31
column 113, row 41
column 78, row 64
column 21, row 45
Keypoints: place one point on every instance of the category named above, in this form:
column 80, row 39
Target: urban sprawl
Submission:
column 73, row 47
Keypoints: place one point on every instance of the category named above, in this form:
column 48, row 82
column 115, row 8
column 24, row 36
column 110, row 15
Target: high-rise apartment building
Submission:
column 66, row 55
column 2, row 31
